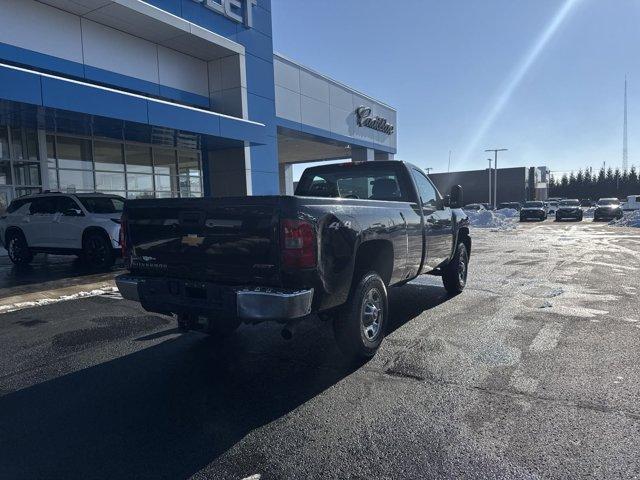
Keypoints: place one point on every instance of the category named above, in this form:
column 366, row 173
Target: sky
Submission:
column 543, row 78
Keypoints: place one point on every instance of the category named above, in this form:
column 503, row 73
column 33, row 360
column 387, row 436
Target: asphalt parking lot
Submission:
column 531, row 373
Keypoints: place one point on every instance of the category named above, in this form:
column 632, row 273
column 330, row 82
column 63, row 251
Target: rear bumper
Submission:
column 532, row 215
column 568, row 214
column 248, row 303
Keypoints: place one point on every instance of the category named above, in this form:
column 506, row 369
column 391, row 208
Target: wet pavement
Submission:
column 531, row 373
column 48, row 272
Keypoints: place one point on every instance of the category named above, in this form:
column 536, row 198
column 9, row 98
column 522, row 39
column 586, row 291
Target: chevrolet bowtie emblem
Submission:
column 192, row 240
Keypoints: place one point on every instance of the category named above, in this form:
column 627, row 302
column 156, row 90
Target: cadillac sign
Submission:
column 363, row 115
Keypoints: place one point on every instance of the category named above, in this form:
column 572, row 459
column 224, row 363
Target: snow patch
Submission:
column 588, row 212
column 500, row 220
column 48, row 301
column 629, row 219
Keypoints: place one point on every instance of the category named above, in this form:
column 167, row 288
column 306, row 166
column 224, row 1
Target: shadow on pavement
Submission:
column 171, row 409
column 55, row 271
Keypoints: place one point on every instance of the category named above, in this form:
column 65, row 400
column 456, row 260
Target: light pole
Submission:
column 495, row 165
column 489, row 160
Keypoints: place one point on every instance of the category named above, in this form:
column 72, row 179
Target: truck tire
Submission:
column 360, row 326
column 97, row 251
column 18, row 249
column 454, row 275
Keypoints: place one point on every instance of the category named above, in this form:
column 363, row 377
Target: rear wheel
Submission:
column 97, row 251
column 359, row 328
column 18, row 249
column 454, row 275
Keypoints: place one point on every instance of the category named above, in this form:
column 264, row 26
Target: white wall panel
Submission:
column 288, row 104
column 183, row 72
column 314, row 86
column 315, row 113
column 286, row 75
column 41, row 28
column 119, row 52
column 341, row 97
column 342, row 121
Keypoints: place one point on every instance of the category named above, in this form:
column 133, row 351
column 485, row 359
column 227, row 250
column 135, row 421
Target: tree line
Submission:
column 588, row 184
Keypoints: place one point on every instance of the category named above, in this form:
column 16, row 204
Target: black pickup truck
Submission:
column 350, row 232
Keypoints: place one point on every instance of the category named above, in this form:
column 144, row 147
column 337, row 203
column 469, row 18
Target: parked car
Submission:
column 474, row 206
column 533, row 211
column 84, row 224
column 350, row 232
column 569, row 209
column 632, row 203
column 607, row 209
column 512, row 205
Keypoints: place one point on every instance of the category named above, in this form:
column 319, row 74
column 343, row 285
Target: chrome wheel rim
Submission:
column 372, row 314
column 462, row 269
column 15, row 249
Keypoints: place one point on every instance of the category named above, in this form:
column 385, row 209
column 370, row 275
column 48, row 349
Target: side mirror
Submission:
column 455, row 198
column 446, row 201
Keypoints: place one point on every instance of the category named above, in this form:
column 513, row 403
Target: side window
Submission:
column 66, row 203
column 426, row 191
column 42, row 206
column 16, row 206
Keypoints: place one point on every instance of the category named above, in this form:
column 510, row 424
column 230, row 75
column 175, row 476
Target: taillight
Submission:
column 298, row 244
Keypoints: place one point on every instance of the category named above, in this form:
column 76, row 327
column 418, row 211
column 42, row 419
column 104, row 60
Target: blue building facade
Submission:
column 167, row 98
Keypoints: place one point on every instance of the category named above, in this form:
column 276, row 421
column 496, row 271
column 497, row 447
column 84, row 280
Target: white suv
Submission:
column 85, row 224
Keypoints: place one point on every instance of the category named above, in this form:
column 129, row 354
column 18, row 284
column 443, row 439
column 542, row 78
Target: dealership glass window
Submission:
column 24, row 143
column 53, row 179
column 134, row 195
column 138, row 159
column 4, row 143
column 107, row 181
column 51, row 151
column 5, row 173
column 21, row 192
column 26, row 173
column 166, row 194
column 188, row 163
column 164, row 161
column 107, row 156
column 165, row 183
column 141, row 182
column 75, row 180
column 74, row 153
column 190, row 172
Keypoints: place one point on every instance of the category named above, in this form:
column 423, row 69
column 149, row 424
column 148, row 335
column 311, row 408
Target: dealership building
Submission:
column 167, row 98
column 514, row 184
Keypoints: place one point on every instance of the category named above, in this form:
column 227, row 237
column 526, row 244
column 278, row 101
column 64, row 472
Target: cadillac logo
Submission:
column 365, row 119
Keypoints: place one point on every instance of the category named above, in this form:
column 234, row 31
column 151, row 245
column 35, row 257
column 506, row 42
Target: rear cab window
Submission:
column 357, row 181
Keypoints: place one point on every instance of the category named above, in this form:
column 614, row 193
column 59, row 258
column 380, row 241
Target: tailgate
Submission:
column 230, row 240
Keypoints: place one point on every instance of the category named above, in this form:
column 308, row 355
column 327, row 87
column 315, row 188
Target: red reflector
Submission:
column 298, row 244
